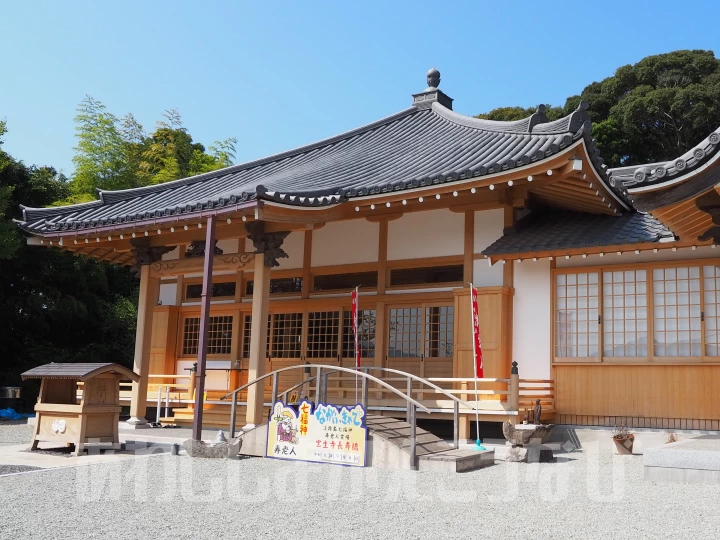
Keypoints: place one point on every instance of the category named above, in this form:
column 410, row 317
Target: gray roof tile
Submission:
column 80, row 372
column 545, row 230
column 417, row 147
column 635, row 176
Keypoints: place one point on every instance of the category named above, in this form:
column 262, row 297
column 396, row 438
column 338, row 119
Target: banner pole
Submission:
column 355, row 331
column 478, row 442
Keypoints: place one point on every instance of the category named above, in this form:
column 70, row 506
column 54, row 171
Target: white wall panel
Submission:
column 532, row 325
column 436, row 233
column 345, row 242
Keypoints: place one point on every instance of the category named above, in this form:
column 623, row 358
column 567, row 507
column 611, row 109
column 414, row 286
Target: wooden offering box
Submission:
column 60, row 419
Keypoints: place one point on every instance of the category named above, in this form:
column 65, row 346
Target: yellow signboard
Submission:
column 327, row 434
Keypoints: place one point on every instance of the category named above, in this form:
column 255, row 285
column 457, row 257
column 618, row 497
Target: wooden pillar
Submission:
column 258, row 340
column 204, row 327
column 469, row 251
column 148, row 298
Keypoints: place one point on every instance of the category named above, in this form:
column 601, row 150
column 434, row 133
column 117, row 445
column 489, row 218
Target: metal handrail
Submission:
column 414, row 378
column 320, row 367
column 412, row 405
column 301, row 383
column 411, row 414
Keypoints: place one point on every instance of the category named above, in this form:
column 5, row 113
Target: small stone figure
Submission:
column 537, row 413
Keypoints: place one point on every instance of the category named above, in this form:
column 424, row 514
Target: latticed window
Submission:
column 225, row 289
column 247, row 328
column 405, row 337
column 323, row 330
column 711, row 278
column 677, row 314
column 439, row 331
column 625, row 316
column 219, row 335
column 278, row 286
column 334, row 282
column 576, row 315
column 366, row 329
column 431, row 274
column 286, row 336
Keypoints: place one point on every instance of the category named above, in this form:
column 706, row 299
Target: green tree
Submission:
column 114, row 153
column 55, row 306
column 652, row 111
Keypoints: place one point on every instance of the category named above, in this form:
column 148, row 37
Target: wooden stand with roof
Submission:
column 61, row 420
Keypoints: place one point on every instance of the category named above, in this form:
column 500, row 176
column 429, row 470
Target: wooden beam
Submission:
column 307, row 263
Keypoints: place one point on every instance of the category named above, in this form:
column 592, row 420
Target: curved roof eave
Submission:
column 654, row 176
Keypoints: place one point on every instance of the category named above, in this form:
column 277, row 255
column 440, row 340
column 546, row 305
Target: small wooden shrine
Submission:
column 61, row 419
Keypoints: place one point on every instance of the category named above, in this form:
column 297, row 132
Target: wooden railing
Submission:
column 533, row 389
column 508, row 394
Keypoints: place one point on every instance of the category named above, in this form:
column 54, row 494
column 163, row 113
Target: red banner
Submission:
column 354, row 314
column 476, row 333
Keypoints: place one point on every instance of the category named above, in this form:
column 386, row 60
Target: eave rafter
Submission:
column 602, row 251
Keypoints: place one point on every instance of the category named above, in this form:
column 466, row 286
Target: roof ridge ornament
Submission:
column 538, row 117
column 431, row 94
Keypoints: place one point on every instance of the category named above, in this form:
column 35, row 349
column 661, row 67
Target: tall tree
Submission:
column 649, row 112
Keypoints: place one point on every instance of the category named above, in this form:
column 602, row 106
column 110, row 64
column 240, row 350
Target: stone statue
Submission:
column 537, row 413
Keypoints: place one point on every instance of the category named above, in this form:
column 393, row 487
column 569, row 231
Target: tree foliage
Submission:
column 649, row 112
column 57, row 307
column 116, row 153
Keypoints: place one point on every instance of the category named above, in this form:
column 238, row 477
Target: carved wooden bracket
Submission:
column 267, row 243
column 193, row 265
column 145, row 254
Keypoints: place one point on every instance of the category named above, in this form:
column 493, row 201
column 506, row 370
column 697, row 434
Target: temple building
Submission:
column 603, row 285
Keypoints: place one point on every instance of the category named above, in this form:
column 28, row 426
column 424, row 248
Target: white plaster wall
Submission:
column 531, row 319
column 168, row 294
column 228, row 246
column 488, row 228
column 611, row 257
column 345, row 242
column 172, row 255
column 436, row 233
column 294, row 246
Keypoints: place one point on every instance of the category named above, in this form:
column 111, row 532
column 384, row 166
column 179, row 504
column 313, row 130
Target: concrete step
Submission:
column 433, row 453
column 460, row 460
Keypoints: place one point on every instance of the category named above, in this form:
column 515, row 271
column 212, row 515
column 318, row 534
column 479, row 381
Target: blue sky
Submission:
column 280, row 74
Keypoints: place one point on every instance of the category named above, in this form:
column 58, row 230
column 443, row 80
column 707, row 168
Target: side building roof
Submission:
column 552, row 231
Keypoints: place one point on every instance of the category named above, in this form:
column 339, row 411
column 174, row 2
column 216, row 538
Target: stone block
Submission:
column 221, row 450
column 533, row 453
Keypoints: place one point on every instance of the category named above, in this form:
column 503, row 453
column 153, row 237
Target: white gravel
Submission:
column 584, row 495
column 15, row 433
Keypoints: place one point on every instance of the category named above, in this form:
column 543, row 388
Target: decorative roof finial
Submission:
column 433, row 78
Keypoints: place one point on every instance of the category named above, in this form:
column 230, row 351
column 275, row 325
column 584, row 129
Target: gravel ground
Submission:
column 10, row 469
column 15, row 432
column 584, row 495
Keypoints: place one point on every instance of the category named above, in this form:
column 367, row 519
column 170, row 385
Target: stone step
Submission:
column 433, row 453
column 459, row 460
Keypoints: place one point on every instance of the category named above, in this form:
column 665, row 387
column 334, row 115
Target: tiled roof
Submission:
column 669, row 172
column 423, row 145
column 80, row 372
column 556, row 230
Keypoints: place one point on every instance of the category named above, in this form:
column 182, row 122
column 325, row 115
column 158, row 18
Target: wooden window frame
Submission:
column 223, row 278
column 651, row 358
column 423, row 326
column 195, row 315
column 403, row 264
